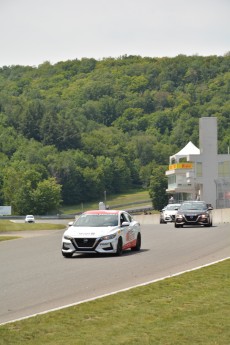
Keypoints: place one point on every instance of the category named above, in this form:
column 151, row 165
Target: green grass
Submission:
column 7, row 238
column 7, row 225
column 190, row 309
column 133, row 197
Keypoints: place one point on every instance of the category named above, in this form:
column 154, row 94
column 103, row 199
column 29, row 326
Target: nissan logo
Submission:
column 85, row 240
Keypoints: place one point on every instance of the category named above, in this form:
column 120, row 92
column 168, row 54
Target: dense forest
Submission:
column 72, row 130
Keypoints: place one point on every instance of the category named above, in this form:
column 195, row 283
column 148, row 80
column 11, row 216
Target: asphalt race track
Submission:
column 34, row 277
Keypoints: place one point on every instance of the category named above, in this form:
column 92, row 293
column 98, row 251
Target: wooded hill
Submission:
column 72, row 130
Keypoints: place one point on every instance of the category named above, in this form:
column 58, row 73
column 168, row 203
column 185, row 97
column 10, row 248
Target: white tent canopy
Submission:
column 189, row 149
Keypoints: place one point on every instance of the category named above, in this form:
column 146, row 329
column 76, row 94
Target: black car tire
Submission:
column 138, row 243
column 67, row 255
column 209, row 224
column 119, row 247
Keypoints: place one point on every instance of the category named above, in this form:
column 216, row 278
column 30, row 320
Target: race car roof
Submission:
column 102, row 212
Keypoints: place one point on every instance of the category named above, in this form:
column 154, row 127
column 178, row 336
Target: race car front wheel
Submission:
column 138, row 243
column 119, row 247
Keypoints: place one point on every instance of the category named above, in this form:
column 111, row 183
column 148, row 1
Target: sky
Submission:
column 36, row 31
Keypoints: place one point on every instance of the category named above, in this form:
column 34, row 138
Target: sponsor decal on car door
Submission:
column 130, row 240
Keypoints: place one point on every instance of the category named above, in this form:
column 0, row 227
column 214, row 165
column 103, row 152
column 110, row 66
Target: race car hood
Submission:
column 170, row 212
column 192, row 212
column 90, row 232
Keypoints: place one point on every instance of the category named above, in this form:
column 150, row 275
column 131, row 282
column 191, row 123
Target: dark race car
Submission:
column 194, row 213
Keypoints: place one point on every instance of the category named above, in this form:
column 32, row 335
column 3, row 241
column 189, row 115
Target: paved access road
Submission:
column 34, row 277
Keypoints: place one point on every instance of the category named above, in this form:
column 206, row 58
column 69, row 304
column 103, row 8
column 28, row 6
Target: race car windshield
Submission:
column 97, row 220
column 194, row 206
column 172, row 207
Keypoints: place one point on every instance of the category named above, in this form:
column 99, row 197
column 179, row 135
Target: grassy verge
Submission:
column 7, row 238
column 189, row 309
column 138, row 197
column 7, row 225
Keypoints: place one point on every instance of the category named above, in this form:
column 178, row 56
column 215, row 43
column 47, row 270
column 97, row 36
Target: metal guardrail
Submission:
column 133, row 210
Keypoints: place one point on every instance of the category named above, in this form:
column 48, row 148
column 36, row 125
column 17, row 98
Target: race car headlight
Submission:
column 68, row 237
column 204, row 215
column 108, row 237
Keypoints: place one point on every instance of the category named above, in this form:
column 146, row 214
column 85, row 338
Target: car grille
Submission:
column 191, row 218
column 85, row 242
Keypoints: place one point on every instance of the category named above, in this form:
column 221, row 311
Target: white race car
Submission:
column 29, row 219
column 102, row 231
column 168, row 213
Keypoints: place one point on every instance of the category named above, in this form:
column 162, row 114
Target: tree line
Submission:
column 72, row 130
